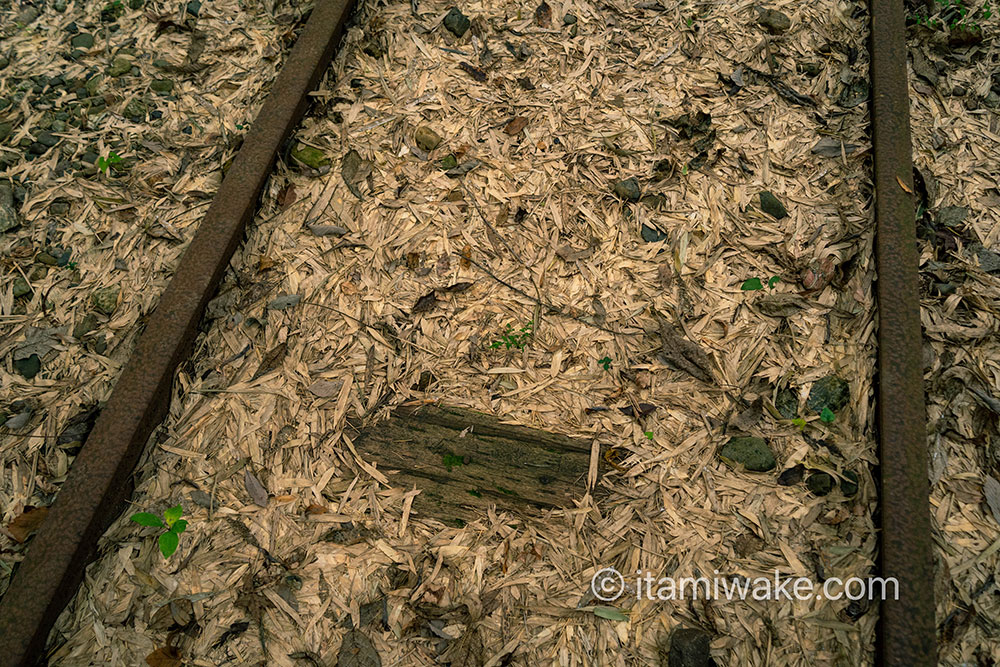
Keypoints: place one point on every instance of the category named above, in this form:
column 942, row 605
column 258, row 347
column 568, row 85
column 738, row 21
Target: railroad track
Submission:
column 100, row 480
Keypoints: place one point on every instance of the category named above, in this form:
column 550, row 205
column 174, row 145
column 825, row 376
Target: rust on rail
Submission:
column 906, row 635
column 100, row 480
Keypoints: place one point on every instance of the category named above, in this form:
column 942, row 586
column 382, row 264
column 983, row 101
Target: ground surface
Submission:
column 325, row 322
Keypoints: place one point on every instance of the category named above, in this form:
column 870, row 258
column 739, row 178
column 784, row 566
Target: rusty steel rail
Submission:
column 100, row 480
column 906, row 634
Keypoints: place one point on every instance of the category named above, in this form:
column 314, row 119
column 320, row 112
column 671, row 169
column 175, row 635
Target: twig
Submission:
column 552, row 310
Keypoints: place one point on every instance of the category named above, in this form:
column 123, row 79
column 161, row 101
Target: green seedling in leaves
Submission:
column 827, row 416
column 649, row 434
column 605, row 362
column 752, row 284
column 104, row 163
column 512, row 338
column 171, row 521
column 800, row 422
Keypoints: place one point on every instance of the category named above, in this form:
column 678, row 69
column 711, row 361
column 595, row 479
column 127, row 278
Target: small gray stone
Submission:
column 773, row 21
column 29, row 366
column 105, row 299
column 120, row 66
column 136, row 108
column 426, row 138
column 689, row 647
column 59, row 6
column 992, row 100
column 8, row 214
column 17, row 422
column 59, row 208
column 28, row 15
column 751, row 453
column 46, row 139
column 456, row 22
column 830, row 392
column 85, row 326
column 569, row 19
column 194, row 7
column 162, row 86
column 770, row 205
column 787, row 403
column 21, row 287
column 849, row 483
column 820, row 483
column 628, row 189
column 5, row 131
column 309, row 156
column 84, row 40
column 952, row 216
column 989, row 261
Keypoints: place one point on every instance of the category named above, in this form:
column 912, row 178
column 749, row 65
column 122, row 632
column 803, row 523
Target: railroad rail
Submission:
column 100, row 481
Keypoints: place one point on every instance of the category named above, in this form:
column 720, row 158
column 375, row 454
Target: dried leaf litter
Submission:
column 512, row 585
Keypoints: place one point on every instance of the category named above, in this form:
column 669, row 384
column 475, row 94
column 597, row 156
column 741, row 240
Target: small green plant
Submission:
column 649, row 434
column 827, row 416
column 511, row 338
column 104, row 163
column 605, row 362
column 800, row 422
column 172, row 521
column 950, row 8
column 71, row 265
column 752, row 284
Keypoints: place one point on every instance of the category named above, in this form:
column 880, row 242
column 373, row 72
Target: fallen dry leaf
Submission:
column 543, row 15
column 167, row 656
column 256, row 490
column 516, row 125
column 903, row 185
column 28, row 523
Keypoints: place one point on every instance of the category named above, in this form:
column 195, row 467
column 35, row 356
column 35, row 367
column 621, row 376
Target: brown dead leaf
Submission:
column 316, row 509
column 425, row 303
column 515, row 125
column 167, row 656
column 265, row 263
column 681, row 353
column 271, row 360
column 543, row 15
column 903, row 185
column 476, row 73
column 256, row 490
column 466, row 257
column 24, row 526
column 570, row 254
column 286, row 196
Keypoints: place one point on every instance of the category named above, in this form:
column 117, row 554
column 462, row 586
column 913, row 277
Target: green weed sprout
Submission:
column 511, row 338
column 104, row 163
column 605, row 362
column 753, row 284
column 173, row 523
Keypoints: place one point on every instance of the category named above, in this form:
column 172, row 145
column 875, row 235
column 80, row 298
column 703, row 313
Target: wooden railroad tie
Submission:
column 463, row 461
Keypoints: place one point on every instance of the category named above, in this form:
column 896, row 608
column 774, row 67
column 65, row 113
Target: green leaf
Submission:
column 827, row 415
column 606, row 362
column 610, row 613
column 146, row 519
column 800, row 422
column 751, row 284
column 168, row 543
column 179, row 526
column 773, row 281
column 649, row 434
column 172, row 514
